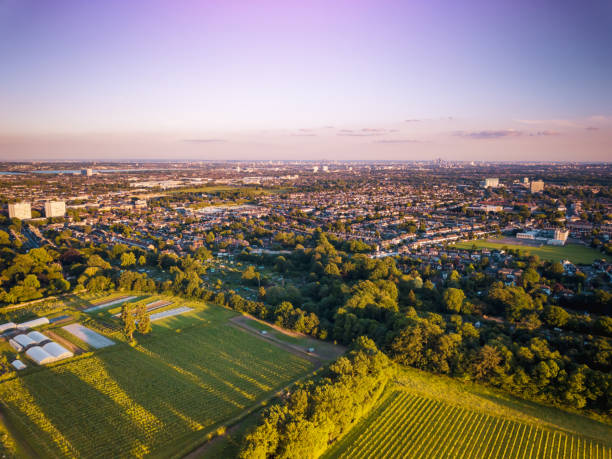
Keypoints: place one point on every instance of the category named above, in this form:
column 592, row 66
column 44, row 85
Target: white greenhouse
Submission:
column 58, row 351
column 33, row 323
column 18, row 364
column 38, row 337
column 15, row 345
column 39, row 355
column 7, row 326
column 24, row 340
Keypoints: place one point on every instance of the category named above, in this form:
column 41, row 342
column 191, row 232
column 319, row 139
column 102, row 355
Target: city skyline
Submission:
column 291, row 80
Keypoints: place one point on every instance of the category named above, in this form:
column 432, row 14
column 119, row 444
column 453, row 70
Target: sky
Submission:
column 313, row 80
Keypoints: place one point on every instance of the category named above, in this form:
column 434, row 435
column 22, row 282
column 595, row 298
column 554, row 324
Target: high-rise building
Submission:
column 55, row 209
column 140, row 204
column 536, row 186
column 20, row 210
column 87, row 172
column 559, row 237
column 490, row 183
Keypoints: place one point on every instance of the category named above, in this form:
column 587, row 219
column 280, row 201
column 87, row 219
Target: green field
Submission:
column 7, row 444
column 577, row 254
column 430, row 416
column 408, row 425
column 194, row 372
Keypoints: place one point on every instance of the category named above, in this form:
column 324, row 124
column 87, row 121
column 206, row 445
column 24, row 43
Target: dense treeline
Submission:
column 439, row 327
column 533, row 345
column 318, row 412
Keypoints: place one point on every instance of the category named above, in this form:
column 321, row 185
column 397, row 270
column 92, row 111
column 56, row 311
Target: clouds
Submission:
column 365, row 132
column 504, row 133
column 211, row 140
column 544, row 133
column 490, row 134
column 396, row 141
column 553, row 122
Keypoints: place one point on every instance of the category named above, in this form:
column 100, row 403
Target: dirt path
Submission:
column 296, row 350
column 200, row 450
column 282, row 330
column 324, row 350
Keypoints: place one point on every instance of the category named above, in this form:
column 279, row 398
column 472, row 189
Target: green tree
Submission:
column 144, row 321
column 128, row 259
column 486, row 362
column 129, row 320
column 530, row 277
column 555, row 316
column 453, row 299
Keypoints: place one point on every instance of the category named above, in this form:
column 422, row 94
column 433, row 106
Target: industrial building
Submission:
column 20, row 210
column 55, row 209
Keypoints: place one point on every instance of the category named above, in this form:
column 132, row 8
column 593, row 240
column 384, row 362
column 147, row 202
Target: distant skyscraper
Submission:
column 20, row 210
column 87, row 172
column 536, row 186
column 315, row 169
column 490, row 183
column 55, row 209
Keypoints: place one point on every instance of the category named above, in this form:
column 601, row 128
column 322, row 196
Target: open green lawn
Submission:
column 423, row 415
column 193, row 373
column 577, row 254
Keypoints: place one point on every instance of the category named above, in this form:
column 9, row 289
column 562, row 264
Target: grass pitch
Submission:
column 577, row 254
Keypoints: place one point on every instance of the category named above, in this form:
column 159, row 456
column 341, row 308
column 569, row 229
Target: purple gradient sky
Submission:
column 306, row 79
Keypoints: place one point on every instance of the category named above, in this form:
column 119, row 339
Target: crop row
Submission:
column 407, row 425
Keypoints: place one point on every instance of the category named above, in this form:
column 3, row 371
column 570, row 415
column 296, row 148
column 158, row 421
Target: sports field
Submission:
column 430, row 416
column 577, row 254
column 194, row 371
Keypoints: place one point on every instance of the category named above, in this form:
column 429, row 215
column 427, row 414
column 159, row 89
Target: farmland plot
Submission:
column 128, row 401
column 87, row 335
column 108, row 304
column 409, row 425
column 169, row 313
